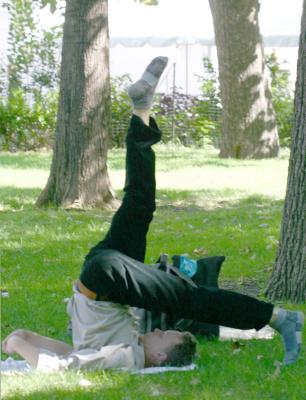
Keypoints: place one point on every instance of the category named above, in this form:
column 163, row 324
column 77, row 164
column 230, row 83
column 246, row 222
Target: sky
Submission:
column 179, row 18
column 193, row 18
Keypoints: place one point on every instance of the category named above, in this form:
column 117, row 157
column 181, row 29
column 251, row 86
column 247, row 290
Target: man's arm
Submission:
column 29, row 344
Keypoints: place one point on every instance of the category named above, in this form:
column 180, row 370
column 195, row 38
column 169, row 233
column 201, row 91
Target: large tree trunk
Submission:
column 288, row 280
column 249, row 125
column 79, row 174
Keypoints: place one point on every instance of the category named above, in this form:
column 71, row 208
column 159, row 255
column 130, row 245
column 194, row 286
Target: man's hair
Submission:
column 182, row 353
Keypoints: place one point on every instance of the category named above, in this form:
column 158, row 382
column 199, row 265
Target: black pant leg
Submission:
column 127, row 281
column 130, row 223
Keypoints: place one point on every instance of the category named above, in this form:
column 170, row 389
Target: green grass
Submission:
column 206, row 206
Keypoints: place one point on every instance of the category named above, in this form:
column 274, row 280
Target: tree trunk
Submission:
column 288, row 280
column 249, row 125
column 78, row 175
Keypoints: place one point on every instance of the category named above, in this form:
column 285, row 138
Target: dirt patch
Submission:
column 248, row 286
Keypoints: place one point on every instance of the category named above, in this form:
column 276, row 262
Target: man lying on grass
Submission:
column 114, row 277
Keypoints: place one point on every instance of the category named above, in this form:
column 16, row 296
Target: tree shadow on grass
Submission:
column 168, row 162
column 12, row 198
column 206, row 199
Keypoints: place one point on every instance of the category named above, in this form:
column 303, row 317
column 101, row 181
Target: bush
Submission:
column 25, row 127
column 192, row 120
column 120, row 109
column 282, row 98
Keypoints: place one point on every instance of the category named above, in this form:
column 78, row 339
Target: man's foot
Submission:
column 290, row 326
column 142, row 91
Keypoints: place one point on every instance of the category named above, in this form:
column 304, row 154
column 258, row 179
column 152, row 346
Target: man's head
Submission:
column 168, row 348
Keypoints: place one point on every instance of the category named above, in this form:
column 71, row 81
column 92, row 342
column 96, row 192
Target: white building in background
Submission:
column 130, row 55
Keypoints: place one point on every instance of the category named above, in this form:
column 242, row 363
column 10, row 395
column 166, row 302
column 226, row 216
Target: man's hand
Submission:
column 8, row 344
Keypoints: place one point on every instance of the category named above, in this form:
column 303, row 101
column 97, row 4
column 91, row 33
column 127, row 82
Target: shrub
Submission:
column 282, row 98
column 120, row 109
column 25, row 127
column 192, row 120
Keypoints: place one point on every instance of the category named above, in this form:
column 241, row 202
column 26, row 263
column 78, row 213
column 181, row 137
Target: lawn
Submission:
column 206, row 206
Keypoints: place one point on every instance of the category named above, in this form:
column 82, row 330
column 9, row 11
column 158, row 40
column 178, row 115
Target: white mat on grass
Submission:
column 158, row 370
column 235, row 334
column 11, row 366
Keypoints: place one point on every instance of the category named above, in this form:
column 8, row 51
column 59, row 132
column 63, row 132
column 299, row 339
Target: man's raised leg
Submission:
column 130, row 223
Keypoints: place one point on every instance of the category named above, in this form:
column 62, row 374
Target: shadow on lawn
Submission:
column 211, row 200
column 178, row 200
column 166, row 161
column 12, row 198
column 58, row 240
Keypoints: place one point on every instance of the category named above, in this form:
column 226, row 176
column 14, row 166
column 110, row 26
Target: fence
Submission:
column 183, row 119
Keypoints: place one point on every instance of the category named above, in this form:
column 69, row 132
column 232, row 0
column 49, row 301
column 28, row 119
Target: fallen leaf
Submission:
column 277, row 371
column 237, row 346
column 157, row 391
column 259, row 357
column 199, row 251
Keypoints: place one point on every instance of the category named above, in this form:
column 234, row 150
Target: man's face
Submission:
column 161, row 341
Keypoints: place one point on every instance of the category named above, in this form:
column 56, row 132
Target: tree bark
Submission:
column 248, row 118
column 288, row 279
column 78, row 175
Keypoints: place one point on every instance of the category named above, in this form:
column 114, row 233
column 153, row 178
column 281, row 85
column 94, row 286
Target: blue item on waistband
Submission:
column 187, row 266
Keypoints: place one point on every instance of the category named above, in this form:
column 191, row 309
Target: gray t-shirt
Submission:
column 98, row 324
column 104, row 334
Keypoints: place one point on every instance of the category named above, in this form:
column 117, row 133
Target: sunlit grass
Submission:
column 206, row 206
column 198, row 170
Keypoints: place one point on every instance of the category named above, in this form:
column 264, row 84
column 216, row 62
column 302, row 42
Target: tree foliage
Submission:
column 184, row 119
column 33, row 53
column 22, row 41
column 25, row 127
column 120, row 109
column 282, row 98
column 28, row 102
